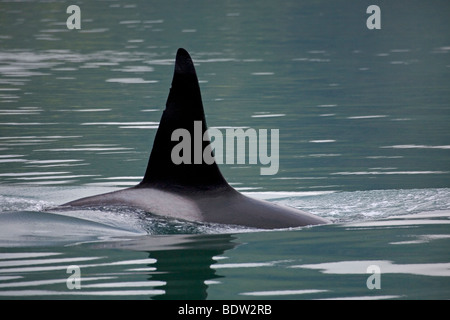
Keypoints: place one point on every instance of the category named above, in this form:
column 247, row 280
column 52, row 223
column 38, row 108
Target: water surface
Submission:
column 363, row 118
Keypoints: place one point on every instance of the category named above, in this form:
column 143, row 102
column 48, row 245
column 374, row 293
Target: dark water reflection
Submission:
column 184, row 263
column 188, row 271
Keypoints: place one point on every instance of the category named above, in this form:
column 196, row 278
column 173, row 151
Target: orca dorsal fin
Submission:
column 184, row 110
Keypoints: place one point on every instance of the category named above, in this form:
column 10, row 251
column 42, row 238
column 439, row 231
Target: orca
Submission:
column 195, row 192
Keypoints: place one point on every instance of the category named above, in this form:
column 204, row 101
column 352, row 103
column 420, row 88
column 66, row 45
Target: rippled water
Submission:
column 363, row 118
column 357, row 110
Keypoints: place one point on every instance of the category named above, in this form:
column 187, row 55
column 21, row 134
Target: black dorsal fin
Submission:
column 183, row 108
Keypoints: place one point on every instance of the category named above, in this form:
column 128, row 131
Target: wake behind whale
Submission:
column 193, row 191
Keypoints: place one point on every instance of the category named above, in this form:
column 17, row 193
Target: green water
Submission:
column 327, row 262
column 363, row 118
column 357, row 109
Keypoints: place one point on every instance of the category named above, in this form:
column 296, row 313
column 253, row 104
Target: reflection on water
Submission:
column 324, row 262
column 176, row 268
column 193, row 263
column 360, row 267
